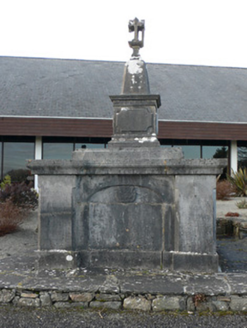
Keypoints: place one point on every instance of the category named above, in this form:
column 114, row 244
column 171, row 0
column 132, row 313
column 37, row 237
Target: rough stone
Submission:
column 205, row 306
column 111, row 285
column 106, row 305
column 29, row 295
column 221, row 305
column 169, row 303
column 137, row 303
column 190, row 304
column 59, row 297
column 45, row 299
column 6, row 296
column 84, row 297
column 15, row 301
column 107, row 297
column 82, row 305
column 32, row 302
column 238, row 303
column 62, row 305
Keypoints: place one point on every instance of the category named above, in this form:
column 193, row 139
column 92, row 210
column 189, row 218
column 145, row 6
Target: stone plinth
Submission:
column 135, row 121
column 134, row 207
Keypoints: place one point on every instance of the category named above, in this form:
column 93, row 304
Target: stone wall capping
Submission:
column 140, row 290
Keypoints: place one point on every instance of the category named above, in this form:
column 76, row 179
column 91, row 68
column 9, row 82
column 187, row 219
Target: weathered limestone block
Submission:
column 111, row 285
column 62, row 305
column 114, row 305
column 59, row 297
column 190, row 304
column 83, row 305
column 6, row 296
column 29, row 295
column 195, row 223
column 81, row 297
column 238, row 303
column 45, row 299
column 220, row 305
column 137, row 303
column 55, row 213
column 32, row 302
column 206, row 305
column 162, row 303
column 107, row 297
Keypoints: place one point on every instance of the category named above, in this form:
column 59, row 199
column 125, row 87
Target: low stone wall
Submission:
column 118, row 301
column 231, row 226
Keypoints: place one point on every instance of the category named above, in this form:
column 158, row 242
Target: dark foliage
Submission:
column 21, row 195
column 11, row 216
column 19, row 175
column 224, row 190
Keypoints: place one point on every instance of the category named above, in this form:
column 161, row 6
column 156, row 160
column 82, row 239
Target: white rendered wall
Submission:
column 234, row 156
column 38, row 155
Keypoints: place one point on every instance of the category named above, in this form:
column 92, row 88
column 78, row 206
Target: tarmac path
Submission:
column 11, row 317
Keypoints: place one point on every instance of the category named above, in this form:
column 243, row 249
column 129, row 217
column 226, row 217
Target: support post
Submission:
column 233, row 156
column 37, row 155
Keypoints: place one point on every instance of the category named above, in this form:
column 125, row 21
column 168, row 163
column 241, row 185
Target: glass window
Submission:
column 242, row 157
column 1, row 161
column 214, row 152
column 191, row 152
column 89, row 145
column 15, row 156
column 52, row 150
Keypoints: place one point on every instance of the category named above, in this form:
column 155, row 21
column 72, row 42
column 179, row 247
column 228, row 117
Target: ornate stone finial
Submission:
column 136, row 26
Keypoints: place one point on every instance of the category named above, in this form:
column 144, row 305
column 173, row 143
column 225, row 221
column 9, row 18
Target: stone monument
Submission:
column 133, row 204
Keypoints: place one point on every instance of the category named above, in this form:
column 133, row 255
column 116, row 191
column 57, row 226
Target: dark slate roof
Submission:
column 81, row 88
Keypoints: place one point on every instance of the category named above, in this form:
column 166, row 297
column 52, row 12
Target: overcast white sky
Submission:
column 200, row 32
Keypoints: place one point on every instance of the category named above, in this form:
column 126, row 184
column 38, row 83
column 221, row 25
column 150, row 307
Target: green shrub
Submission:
column 239, row 181
column 242, row 204
column 6, row 181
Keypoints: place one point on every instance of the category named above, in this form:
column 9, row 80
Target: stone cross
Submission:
column 136, row 26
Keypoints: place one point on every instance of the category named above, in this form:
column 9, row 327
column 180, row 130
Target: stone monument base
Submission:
column 172, row 261
column 129, row 208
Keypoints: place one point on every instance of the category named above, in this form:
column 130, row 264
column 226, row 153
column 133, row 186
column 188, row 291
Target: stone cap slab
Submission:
column 14, row 275
column 128, row 161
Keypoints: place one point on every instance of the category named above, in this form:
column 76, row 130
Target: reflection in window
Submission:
column 57, row 150
column 242, row 157
column 214, row 152
column 15, row 156
column 1, row 161
column 89, row 145
column 191, row 152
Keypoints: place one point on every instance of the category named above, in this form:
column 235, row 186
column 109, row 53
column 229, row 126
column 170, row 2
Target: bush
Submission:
column 19, row 175
column 6, row 181
column 239, row 181
column 21, row 194
column 224, row 190
column 11, row 216
column 16, row 200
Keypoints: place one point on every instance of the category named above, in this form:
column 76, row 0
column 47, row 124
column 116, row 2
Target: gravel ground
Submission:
column 52, row 318
column 21, row 241
column 232, row 254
